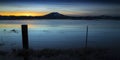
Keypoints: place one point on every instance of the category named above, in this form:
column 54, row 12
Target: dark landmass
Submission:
column 56, row 15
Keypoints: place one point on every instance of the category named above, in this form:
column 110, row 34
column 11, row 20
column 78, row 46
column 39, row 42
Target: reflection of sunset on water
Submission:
column 9, row 26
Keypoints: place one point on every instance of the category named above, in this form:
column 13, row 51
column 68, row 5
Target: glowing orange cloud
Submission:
column 22, row 13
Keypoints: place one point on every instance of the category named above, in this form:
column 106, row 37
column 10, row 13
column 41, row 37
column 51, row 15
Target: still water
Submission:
column 60, row 33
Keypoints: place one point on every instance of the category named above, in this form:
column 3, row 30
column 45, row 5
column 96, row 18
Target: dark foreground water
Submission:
column 60, row 33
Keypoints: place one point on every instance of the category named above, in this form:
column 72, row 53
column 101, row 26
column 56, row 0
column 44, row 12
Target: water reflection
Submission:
column 61, row 34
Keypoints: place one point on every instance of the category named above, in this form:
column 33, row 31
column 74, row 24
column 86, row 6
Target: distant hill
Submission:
column 55, row 15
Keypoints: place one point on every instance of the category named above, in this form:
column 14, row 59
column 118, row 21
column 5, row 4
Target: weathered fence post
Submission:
column 25, row 42
column 86, row 41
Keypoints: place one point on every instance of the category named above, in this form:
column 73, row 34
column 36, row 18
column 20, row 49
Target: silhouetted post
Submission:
column 86, row 41
column 25, row 41
column 25, row 37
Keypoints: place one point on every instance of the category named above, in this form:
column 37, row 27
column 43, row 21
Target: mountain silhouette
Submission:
column 55, row 15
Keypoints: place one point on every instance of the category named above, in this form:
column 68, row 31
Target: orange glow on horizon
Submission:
column 23, row 13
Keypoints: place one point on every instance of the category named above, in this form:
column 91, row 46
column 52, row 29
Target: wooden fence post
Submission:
column 86, row 42
column 25, row 42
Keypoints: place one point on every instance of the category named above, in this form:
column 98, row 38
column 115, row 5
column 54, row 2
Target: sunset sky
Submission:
column 66, row 7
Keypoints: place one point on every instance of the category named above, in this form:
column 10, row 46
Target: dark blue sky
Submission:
column 68, row 7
